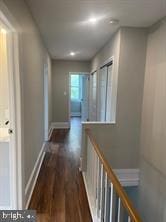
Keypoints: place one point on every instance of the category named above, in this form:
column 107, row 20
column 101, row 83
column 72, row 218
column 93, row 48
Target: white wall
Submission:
column 33, row 55
column 130, row 90
column 153, row 130
column 110, row 49
column 121, row 141
column 60, row 72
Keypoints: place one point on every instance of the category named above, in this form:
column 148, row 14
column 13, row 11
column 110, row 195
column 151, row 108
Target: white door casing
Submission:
column 13, row 114
column 85, row 97
column 46, row 102
column 102, row 94
column 93, row 97
column 109, row 94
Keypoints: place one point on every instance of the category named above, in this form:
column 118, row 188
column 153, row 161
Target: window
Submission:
column 75, row 87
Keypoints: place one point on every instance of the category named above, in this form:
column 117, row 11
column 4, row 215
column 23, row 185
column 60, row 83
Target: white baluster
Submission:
column 129, row 219
column 90, row 170
column 119, row 209
column 98, row 187
column 112, row 204
column 107, row 200
column 95, row 175
column 102, row 194
column 88, row 174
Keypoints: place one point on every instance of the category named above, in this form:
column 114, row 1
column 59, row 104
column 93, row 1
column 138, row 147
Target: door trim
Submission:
column 16, row 168
column 46, row 101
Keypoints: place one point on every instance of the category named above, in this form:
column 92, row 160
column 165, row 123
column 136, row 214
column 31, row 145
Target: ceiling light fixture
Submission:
column 72, row 53
column 114, row 21
column 3, row 31
column 93, row 20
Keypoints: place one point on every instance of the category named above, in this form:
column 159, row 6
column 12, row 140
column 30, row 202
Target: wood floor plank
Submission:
column 59, row 194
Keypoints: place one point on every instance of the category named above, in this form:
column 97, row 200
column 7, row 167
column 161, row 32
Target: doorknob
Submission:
column 10, row 131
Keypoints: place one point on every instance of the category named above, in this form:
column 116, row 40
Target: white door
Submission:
column 92, row 97
column 102, row 94
column 6, row 122
column 85, row 97
column 46, row 103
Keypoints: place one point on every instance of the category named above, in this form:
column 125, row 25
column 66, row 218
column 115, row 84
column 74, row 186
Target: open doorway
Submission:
column 10, row 118
column 79, row 95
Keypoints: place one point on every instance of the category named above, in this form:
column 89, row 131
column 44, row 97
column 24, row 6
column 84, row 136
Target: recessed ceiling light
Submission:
column 72, row 53
column 92, row 20
column 3, row 31
column 114, row 21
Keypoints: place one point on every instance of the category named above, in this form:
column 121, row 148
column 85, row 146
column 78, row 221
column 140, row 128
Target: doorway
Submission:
column 10, row 119
column 79, row 96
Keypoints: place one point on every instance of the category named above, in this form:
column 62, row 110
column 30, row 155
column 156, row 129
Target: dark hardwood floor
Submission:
column 59, row 195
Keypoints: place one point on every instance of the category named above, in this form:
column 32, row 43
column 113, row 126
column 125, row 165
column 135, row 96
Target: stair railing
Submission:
column 109, row 201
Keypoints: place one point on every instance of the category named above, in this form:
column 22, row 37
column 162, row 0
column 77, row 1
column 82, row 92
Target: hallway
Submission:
column 59, row 194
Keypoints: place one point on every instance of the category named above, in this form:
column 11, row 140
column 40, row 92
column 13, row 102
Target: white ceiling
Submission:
column 64, row 28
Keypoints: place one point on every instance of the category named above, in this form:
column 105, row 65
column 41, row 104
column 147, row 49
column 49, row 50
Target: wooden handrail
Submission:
column 114, row 180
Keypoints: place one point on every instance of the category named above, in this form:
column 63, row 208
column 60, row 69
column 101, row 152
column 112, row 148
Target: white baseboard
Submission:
column 60, row 125
column 33, row 177
column 5, row 208
column 128, row 177
column 92, row 210
column 50, row 133
column 80, row 167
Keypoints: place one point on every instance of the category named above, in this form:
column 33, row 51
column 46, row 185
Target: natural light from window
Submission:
column 75, row 87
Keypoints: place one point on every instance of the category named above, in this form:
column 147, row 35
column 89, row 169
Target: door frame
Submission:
column 86, row 88
column 99, row 95
column 16, row 154
column 69, row 92
column 90, row 94
column 46, row 100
